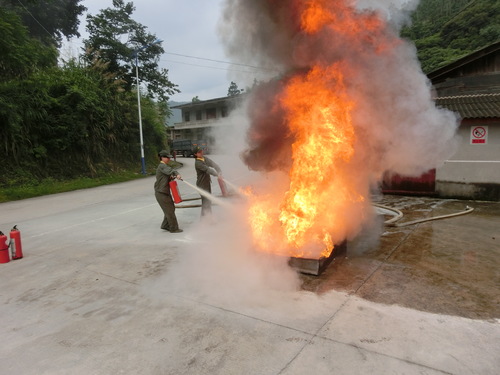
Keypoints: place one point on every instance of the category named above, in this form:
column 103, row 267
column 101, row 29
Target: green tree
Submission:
column 474, row 27
column 48, row 20
column 446, row 30
column 57, row 117
column 73, row 120
column 233, row 89
column 107, row 29
column 21, row 55
column 431, row 15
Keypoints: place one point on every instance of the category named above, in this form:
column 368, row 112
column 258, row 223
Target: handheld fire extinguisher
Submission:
column 222, row 185
column 4, row 249
column 175, row 191
column 16, row 248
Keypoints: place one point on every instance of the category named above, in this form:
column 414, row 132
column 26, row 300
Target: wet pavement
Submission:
column 446, row 266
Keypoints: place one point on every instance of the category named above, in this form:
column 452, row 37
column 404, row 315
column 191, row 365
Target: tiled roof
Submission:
column 445, row 71
column 202, row 103
column 472, row 106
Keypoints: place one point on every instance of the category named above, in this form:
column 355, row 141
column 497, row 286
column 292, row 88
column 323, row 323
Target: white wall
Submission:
column 473, row 166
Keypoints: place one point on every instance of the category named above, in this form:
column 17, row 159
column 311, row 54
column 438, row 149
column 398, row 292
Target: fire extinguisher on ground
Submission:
column 16, row 248
column 4, row 249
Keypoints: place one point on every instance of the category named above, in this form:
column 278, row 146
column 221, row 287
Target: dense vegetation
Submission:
column 446, row 30
column 68, row 119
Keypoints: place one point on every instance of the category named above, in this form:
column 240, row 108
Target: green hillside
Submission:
column 446, row 30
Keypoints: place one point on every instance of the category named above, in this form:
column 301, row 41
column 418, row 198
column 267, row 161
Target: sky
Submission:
column 189, row 28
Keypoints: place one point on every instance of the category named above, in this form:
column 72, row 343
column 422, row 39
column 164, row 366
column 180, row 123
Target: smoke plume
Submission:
column 397, row 125
column 340, row 82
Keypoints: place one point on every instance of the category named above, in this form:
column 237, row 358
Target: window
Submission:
column 198, row 115
column 223, row 111
column 186, row 116
column 211, row 113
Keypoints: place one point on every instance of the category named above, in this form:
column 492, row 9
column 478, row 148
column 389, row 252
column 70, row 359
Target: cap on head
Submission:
column 164, row 154
column 197, row 149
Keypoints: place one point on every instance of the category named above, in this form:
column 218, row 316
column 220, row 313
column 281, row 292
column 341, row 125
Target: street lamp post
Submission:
column 136, row 53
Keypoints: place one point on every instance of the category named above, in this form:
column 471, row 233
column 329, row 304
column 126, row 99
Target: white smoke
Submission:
column 396, row 12
column 396, row 123
column 398, row 126
column 218, row 264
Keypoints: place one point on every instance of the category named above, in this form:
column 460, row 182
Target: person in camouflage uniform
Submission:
column 204, row 168
column 164, row 174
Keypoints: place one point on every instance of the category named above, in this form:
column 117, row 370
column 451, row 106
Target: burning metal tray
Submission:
column 317, row 266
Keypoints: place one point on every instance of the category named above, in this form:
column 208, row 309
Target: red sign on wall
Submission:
column 478, row 135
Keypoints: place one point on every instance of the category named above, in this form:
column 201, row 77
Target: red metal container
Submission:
column 4, row 249
column 16, row 248
column 175, row 192
column 222, row 186
column 423, row 185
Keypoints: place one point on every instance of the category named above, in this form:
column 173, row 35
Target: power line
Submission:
column 210, row 67
column 32, row 16
column 205, row 59
column 218, row 61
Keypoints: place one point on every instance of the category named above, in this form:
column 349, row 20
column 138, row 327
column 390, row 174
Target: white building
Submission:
column 469, row 86
column 200, row 118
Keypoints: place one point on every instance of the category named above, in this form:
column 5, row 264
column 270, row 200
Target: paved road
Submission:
column 102, row 290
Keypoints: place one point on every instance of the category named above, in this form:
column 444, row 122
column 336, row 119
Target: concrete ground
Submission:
column 102, row 290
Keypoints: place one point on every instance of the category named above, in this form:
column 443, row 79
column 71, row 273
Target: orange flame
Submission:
column 341, row 17
column 306, row 219
column 319, row 119
column 315, row 16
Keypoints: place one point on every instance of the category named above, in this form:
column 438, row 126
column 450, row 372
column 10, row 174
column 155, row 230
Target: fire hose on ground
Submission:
column 398, row 215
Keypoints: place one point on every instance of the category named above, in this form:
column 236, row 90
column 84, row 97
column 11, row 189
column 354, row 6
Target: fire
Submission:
column 338, row 16
column 349, row 103
column 309, row 215
column 315, row 16
column 320, row 122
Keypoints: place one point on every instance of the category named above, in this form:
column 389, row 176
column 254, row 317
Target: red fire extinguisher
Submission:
column 16, row 248
column 4, row 249
column 175, row 191
column 222, row 186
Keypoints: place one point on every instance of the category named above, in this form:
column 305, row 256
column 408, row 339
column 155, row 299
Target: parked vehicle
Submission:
column 185, row 147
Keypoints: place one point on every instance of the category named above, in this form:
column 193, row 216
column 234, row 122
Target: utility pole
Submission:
column 136, row 53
